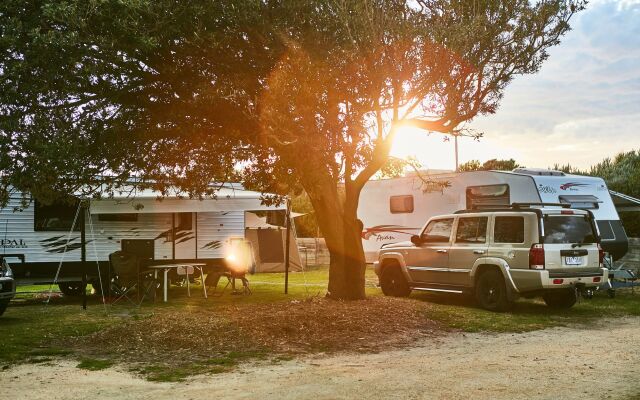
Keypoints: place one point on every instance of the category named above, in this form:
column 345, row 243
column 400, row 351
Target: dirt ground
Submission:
column 561, row 363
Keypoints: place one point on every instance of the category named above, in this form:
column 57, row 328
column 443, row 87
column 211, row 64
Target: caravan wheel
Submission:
column 72, row 288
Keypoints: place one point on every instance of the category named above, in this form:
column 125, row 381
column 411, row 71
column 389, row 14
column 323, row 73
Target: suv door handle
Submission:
column 441, row 251
column 478, row 252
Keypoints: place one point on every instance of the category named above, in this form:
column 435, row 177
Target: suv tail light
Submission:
column 600, row 255
column 536, row 257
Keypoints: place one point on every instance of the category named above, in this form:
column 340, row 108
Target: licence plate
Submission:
column 573, row 260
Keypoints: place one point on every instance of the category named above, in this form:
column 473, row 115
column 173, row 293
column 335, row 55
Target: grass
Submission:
column 30, row 329
column 92, row 364
column 165, row 372
column 527, row 315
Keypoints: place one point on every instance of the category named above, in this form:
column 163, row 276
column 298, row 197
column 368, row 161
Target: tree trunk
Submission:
column 342, row 232
column 347, row 265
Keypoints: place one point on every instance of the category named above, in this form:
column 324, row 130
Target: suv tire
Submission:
column 393, row 282
column 491, row 292
column 561, row 298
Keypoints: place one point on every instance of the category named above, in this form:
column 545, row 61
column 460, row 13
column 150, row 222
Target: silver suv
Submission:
column 498, row 255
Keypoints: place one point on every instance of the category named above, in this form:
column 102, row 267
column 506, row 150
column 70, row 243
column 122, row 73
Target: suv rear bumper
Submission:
column 556, row 280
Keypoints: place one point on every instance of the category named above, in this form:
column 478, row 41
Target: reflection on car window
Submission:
column 568, row 229
column 438, row 231
column 472, row 230
column 508, row 230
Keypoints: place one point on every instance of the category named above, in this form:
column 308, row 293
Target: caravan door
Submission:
column 184, row 236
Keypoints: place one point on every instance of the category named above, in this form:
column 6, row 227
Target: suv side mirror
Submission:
column 417, row 240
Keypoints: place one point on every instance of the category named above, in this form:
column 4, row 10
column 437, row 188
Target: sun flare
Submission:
column 437, row 151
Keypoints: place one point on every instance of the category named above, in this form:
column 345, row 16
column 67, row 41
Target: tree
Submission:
column 305, row 94
column 489, row 165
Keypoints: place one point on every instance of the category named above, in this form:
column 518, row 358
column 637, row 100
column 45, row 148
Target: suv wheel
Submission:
column 491, row 292
column 393, row 282
column 561, row 298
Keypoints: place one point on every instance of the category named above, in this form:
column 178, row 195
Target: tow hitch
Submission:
column 583, row 291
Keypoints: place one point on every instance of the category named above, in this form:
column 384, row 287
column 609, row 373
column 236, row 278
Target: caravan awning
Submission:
column 149, row 201
column 625, row 202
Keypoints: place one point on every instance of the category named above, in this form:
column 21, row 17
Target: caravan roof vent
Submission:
column 538, row 171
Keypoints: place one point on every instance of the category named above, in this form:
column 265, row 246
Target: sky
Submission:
column 582, row 106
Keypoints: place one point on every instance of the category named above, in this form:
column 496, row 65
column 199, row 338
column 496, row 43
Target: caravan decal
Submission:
column 570, row 185
column 55, row 245
column 13, row 243
column 212, row 245
column 178, row 236
column 546, row 189
column 384, row 232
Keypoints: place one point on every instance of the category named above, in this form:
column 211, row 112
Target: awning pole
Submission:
column 286, row 250
column 83, row 252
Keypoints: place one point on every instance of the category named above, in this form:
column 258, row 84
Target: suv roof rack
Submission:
column 512, row 206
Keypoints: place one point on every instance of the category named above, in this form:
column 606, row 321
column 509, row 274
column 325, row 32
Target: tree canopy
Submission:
column 493, row 164
column 303, row 94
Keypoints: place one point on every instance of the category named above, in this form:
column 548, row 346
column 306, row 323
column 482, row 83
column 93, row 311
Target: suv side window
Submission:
column 508, row 230
column 472, row 230
column 438, row 231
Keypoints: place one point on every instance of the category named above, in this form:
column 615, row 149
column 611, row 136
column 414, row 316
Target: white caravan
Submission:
column 394, row 209
column 159, row 229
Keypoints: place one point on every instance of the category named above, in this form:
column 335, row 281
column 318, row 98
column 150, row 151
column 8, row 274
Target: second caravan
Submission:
column 392, row 210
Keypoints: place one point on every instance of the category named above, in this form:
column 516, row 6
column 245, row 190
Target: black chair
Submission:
column 129, row 278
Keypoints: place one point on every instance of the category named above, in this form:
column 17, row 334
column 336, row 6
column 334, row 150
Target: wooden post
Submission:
column 286, row 249
column 83, row 253
column 455, row 139
column 173, row 236
column 196, row 240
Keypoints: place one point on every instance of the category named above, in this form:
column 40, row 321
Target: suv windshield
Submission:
column 568, row 229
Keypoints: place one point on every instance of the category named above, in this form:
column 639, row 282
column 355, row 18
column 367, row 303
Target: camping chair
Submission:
column 187, row 271
column 128, row 278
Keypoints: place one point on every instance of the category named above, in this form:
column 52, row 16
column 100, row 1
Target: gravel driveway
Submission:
column 559, row 363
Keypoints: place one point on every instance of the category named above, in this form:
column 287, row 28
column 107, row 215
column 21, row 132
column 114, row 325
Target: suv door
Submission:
column 470, row 243
column 427, row 263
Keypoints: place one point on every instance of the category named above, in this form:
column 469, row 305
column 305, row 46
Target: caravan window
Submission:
column 184, row 221
column 583, row 202
column 401, row 204
column 488, row 196
column 57, row 216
